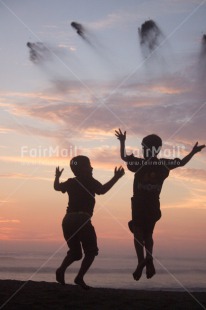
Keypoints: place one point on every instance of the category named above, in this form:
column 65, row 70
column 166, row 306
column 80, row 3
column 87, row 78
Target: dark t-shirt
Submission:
column 81, row 193
column 148, row 181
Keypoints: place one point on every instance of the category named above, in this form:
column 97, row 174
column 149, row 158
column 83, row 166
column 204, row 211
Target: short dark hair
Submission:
column 77, row 163
column 152, row 141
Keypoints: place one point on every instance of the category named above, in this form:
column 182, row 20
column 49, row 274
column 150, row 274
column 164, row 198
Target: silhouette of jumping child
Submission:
column 150, row 173
column 78, row 230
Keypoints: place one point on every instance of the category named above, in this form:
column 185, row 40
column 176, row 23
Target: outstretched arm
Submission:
column 121, row 137
column 56, row 181
column 197, row 148
column 118, row 173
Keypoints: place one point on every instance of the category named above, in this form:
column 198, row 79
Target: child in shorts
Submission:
column 150, row 173
column 77, row 227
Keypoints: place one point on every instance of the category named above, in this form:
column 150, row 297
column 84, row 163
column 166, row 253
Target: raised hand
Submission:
column 197, row 148
column 120, row 136
column 118, row 173
column 58, row 172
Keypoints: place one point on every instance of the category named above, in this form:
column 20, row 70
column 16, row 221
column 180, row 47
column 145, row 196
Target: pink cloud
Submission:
column 12, row 221
column 191, row 174
column 171, row 106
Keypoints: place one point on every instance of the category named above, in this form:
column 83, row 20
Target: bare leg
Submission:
column 68, row 260
column 86, row 263
column 149, row 245
column 139, row 247
column 150, row 269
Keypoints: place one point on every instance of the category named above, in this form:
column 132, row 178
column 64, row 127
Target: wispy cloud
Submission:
column 191, row 174
column 10, row 221
column 172, row 105
column 4, row 130
column 23, row 176
column 138, row 12
column 113, row 19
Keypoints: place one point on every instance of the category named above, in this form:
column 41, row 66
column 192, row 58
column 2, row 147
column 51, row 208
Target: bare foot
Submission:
column 138, row 272
column 60, row 276
column 81, row 283
column 150, row 269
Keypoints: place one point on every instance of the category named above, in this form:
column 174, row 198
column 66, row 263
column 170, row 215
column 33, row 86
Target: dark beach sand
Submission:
column 43, row 295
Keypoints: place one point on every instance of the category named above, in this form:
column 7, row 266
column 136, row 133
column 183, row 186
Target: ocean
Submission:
column 108, row 272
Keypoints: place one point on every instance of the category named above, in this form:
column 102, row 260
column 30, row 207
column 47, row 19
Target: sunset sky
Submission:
column 73, row 99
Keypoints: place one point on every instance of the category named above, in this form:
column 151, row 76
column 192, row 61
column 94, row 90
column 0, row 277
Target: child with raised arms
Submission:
column 150, row 173
column 77, row 227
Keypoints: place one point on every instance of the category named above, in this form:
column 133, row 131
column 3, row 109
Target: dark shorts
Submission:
column 145, row 213
column 146, row 229
column 79, row 233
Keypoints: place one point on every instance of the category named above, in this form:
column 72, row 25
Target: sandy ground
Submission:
column 43, row 295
